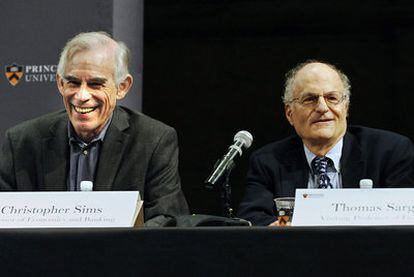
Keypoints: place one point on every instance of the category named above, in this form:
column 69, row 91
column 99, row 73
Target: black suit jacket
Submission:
column 279, row 168
column 138, row 153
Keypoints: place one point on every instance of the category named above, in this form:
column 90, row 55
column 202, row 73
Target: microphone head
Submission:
column 245, row 137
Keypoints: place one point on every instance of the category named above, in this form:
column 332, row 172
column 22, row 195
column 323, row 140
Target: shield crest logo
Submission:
column 14, row 73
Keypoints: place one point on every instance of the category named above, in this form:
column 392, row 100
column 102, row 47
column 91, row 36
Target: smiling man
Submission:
column 94, row 139
column 325, row 153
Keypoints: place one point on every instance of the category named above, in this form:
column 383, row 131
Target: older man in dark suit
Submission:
column 325, row 152
column 96, row 140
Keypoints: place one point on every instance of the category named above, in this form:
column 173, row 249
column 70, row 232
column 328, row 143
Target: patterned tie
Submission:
column 320, row 166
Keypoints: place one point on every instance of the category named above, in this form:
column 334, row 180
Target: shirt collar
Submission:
column 334, row 154
column 73, row 137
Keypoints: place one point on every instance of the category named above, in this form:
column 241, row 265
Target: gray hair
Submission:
column 87, row 41
column 291, row 75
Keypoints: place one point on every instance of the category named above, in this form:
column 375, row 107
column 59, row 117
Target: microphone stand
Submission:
column 224, row 181
column 226, row 192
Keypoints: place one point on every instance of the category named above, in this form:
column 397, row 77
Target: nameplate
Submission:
column 69, row 209
column 349, row 207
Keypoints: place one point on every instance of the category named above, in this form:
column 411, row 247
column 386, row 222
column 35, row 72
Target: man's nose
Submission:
column 321, row 105
column 83, row 93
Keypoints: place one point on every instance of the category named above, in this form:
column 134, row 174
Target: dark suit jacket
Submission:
column 279, row 168
column 138, row 153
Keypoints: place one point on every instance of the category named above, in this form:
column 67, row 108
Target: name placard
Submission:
column 69, row 209
column 339, row 207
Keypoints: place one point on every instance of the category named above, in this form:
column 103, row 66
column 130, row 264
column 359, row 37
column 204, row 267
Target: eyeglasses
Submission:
column 310, row 100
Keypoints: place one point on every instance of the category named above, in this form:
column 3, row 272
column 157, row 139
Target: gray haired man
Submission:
column 94, row 139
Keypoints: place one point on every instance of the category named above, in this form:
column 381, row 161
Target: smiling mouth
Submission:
column 82, row 110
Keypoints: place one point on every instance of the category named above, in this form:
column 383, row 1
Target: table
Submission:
column 209, row 251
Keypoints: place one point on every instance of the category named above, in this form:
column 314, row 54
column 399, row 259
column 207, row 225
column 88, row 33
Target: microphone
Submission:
column 242, row 139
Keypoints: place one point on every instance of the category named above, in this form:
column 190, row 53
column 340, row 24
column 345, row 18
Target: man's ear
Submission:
column 347, row 109
column 124, row 87
column 59, row 83
column 288, row 113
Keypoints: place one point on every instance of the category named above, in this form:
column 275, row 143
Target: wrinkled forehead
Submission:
column 98, row 61
column 317, row 78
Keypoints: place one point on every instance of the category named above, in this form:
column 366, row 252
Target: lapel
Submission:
column 352, row 162
column 55, row 155
column 295, row 170
column 112, row 150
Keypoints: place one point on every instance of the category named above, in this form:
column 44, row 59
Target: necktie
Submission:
column 320, row 166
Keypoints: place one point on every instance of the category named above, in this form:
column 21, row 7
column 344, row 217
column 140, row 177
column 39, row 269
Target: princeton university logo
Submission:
column 30, row 73
column 14, row 73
